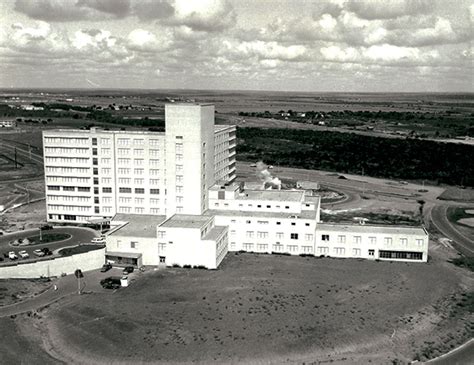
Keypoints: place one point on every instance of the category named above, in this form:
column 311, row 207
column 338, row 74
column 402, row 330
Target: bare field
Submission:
column 15, row 290
column 264, row 309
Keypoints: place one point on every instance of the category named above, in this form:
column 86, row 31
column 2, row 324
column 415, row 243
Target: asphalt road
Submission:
column 441, row 222
column 78, row 235
column 464, row 355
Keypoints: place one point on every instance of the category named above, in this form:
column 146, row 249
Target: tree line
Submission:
column 394, row 158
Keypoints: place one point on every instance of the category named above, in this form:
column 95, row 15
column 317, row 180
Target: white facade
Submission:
column 97, row 173
column 372, row 242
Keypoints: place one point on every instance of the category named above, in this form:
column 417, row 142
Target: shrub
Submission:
column 175, row 265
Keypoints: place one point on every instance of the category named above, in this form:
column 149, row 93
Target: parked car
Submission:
column 128, row 270
column 23, row 254
column 46, row 251
column 110, row 283
column 38, row 253
column 12, row 255
column 98, row 240
column 46, row 227
column 106, row 267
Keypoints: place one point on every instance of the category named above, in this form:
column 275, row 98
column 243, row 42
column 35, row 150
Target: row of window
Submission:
column 66, row 140
column 66, row 150
column 140, row 210
column 388, row 241
column 137, row 190
column 76, row 170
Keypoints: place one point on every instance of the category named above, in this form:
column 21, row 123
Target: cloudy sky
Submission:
column 293, row 45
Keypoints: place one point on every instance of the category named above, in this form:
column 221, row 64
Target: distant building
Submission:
column 31, row 107
column 8, row 123
column 171, row 198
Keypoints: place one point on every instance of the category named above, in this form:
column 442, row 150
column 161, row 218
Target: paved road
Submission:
column 464, row 355
column 78, row 235
column 440, row 221
column 67, row 286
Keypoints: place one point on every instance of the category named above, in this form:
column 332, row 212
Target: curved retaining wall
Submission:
column 55, row 267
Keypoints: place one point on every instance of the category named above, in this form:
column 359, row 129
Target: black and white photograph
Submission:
column 236, row 182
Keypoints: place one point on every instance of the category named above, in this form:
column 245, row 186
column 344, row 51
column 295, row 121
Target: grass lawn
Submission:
column 264, row 308
column 16, row 290
column 48, row 237
column 455, row 214
column 78, row 249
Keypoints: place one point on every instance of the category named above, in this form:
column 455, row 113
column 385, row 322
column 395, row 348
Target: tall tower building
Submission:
column 189, row 148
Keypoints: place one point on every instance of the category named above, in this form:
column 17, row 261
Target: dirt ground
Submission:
column 16, row 290
column 24, row 217
column 265, row 309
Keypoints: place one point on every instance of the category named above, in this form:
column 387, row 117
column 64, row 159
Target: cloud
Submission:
column 153, row 9
column 204, row 15
column 145, row 41
column 265, row 50
column 376, row 9
column 73, row 10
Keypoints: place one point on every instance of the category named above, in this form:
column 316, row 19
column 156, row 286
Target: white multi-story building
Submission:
column 172, row 198
column 96, row 173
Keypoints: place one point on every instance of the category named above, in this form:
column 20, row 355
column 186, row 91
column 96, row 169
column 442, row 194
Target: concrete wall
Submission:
column 55, row 267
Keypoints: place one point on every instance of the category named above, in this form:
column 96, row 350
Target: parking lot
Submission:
column 78, row 235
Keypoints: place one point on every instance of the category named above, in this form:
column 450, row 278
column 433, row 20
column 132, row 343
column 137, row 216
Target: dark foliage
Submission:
column 394, row 158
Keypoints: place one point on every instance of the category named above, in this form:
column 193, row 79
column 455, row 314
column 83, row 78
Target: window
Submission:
column 292, row 248
column 279, row 235
column 139, row 210
column 294, row 236
column 82, row 189
column 138, row 171
column 95, row 171
column 248, row 221
column 139, row 191
column 293, row 223
column 125, row 190
column 154, row 191
column 161, row 234
column 95, row 161
column 325, row 237
column 138, row 162
column 278, row 223
column 249, row 234
column 262, row 222
column 179, row 189
column 307, row 249
column 179, row 199
column 356, row 251
column 68, row 188
column 96, row 181
column 94, row 152
column 308, row 237
column 419, row 242
column 96, row 190
column 323, row 250
column 179, row 178
column 96, row 200
column 403, row 241
column 357, row 240
column 341, row 239
column 339, row 250
column 387, row 241
column 373, row 240
column 247, row 246
column 262, row 234
column 52, row 187
column 138, row 181
column 96, row 210
column 94, row 141
column 133, row 244
column 262, row 247
column 179, row 169
column 371, row 252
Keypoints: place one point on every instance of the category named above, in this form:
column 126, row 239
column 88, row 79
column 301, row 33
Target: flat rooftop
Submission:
column 138, row 225
column 221, row 127
column 186, row 221
column 214, row 233
column 368, row 228
column 305, row 214
column 272, row 195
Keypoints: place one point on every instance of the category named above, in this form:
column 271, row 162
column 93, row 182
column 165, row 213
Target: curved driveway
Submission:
column 78, row 235
column 440, row 220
